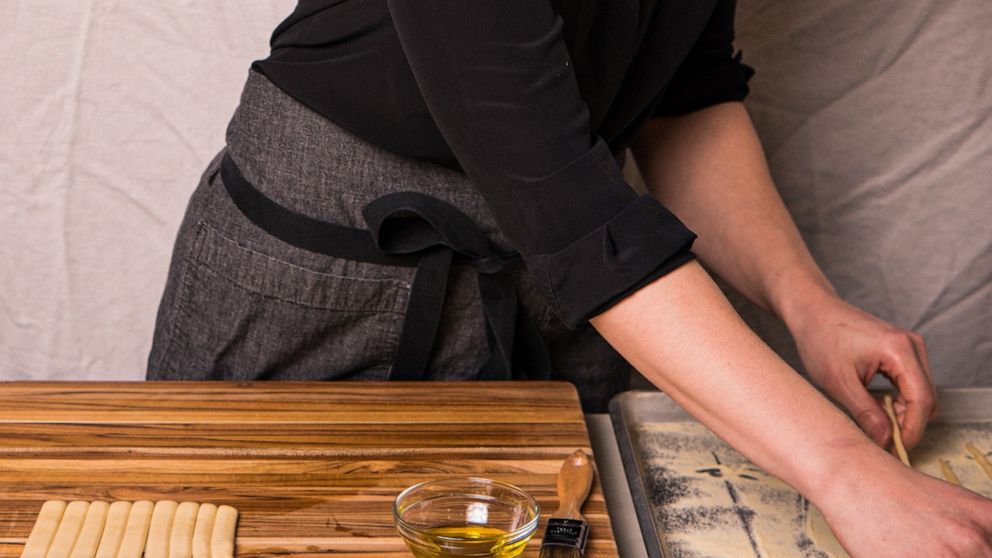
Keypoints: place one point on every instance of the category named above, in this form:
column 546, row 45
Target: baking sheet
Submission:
column 964, row 412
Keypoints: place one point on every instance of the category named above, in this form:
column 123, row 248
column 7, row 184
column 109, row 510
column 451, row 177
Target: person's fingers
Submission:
column 865, row 409
column 916, row 391
column 921, row 353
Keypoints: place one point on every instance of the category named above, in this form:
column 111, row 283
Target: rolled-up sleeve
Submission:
column 498, row 82
column 712, row 73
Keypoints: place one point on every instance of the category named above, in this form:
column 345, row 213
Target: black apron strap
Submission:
column 412, row 222
column 300, row 230
column 413, row 229
column 423, row 316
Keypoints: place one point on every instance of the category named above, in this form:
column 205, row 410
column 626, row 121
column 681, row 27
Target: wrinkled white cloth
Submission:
column 109, row 112
column 876, row 117
column 877, row 121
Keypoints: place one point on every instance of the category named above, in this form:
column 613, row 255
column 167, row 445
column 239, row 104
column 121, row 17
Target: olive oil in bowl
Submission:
column 465, row 517
column 459, row 541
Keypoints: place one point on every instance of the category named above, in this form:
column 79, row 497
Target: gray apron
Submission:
column 307, row 253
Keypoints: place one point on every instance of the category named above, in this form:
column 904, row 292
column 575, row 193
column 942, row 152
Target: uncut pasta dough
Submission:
column 222, row 535
column 181, row 538
column 162, row 529
column 44, row 529
column 113, row 529
column 709, row 501
column 68, row 531
column 202, row 530
column 89, row 535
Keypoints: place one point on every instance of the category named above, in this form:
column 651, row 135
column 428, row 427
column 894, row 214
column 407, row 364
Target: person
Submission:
column 434, row 190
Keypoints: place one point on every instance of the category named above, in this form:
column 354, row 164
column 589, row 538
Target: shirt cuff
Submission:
column 641, row 243
column 712, row 76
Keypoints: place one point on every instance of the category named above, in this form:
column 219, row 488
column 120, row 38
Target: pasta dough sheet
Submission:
column 709, row 501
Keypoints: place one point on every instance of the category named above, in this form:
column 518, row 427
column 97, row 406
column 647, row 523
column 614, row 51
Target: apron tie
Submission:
column 415, row 230
column 416, row 223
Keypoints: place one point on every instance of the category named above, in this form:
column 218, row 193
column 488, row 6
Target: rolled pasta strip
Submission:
column 44, row 529
column 113, row 529
column 204, row 528
column 89, row 535
column 222, row 536
column 945, row 468
column 68, row 532
column 181, row 538
column 980, row 458
column 136, row 530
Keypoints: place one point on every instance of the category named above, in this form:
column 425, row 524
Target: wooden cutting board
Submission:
column 312, row 467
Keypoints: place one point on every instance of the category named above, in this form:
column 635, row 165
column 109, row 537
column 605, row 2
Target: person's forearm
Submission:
column 708, row 167
column 683, row 335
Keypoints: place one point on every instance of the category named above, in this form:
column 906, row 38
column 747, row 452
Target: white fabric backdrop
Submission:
column 109, row 112
column 876, row 117
column 877, row 121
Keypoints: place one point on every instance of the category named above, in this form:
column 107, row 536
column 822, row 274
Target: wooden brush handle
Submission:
column 574, row 483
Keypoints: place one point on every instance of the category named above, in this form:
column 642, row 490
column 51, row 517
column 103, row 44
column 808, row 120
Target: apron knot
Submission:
column 412, row 223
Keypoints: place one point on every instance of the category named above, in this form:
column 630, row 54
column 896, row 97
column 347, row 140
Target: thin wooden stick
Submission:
column 945, row 468
column 980, row 458
column 896, row 433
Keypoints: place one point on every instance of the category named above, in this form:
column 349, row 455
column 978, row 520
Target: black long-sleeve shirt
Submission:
column 531, row 99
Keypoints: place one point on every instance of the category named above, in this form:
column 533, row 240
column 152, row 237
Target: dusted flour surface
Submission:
column 709, row 501
column 946, row 441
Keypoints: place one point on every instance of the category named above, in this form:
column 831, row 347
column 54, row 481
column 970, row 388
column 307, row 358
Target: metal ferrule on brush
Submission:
column 571, row 533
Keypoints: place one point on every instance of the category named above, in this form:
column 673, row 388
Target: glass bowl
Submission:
column 465, row 517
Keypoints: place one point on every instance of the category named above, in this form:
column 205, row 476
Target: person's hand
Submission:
column 843, row 348
column 899, row 512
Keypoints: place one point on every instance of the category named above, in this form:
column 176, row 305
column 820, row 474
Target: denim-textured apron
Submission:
column 307, row 253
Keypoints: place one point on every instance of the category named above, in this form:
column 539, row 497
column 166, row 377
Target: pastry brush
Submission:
column 566, row 533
